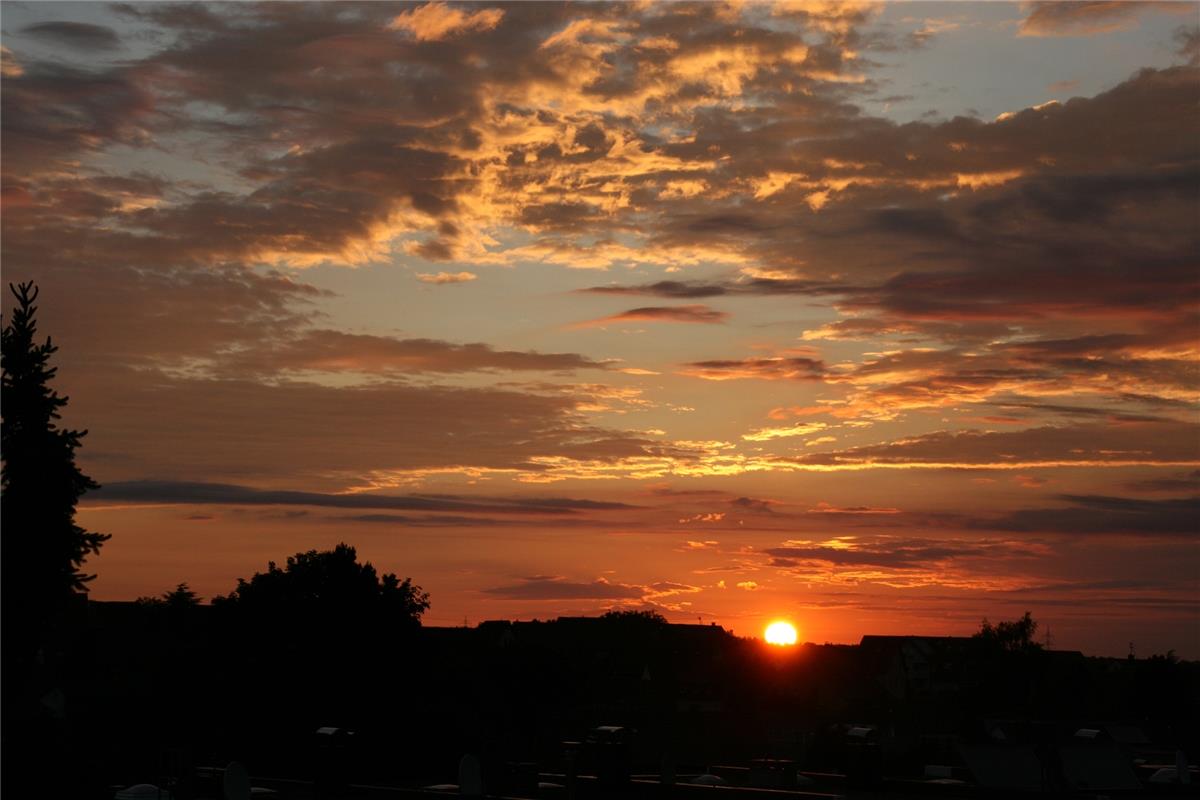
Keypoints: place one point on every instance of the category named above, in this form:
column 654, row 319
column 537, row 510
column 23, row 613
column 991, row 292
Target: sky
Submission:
column 881, row 318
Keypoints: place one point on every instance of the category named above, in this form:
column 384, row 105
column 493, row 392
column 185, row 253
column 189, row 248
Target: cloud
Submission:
column 372, row 436
column 1067, row 85
column 1019, row 264
column 826, row 508
column 707, row 544
column 1030, row 481
column 1179, row 482
column 9, row 66
column 788, row 431
column 329, row 350
column 1113, row 369
column 892, row 553
column 1188, row 38
column 434, row 521
column 661, row 589
column 1096, row 445
column 469, row 522
column 689, row 313
column 433, row 22
column 198, row 493
column 80, row 35
column 708, row 517
column 1101, row 514
column 541, row 587
column 441, row 156
column 52, row 113
column 446, row 277
column 144, row 316
column 769, row 369
column 675, row 289
column 1091, row 18
column 753, row 505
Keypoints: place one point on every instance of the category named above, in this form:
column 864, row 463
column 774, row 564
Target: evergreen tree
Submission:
column 41, row 548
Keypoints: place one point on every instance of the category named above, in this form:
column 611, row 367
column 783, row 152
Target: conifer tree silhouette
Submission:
column 41, row 547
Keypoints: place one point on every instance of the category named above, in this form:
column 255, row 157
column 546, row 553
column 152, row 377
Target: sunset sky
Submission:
column 879, row 318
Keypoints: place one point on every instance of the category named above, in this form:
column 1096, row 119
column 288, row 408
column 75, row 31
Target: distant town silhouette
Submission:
column 338, row 697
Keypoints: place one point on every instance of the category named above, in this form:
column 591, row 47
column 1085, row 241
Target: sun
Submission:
column 780, row 633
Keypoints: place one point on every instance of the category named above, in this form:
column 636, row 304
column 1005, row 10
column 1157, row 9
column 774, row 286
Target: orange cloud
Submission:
column 436, row 21
column 446, row 277
column 801, row 429
column 769, row 369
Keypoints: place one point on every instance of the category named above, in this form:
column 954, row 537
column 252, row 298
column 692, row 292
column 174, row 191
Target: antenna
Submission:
column 1048, row 637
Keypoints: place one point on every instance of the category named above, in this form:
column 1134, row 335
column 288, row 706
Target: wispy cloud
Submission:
column 446, row 277
column 541, row 587
column 689, row 313
column 436, row 21
column 1092, row 18
column 195, row 493
column 80, row 35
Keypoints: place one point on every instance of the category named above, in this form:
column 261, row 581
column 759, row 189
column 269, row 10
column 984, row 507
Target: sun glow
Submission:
column 780, row 633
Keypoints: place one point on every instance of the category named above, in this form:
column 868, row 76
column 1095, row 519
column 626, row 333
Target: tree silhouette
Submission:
column 42, row 551
column 325, row 630
column 1014, row 637
column 328, row 585
column 43, row 548
column 647, row 616
column 181, row 596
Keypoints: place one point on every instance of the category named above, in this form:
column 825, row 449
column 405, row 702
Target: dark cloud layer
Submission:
column 330, row 350
column 892, row 553
column 1085, row 445
column 81, row 35
column 390, row 434
column 194, row 493
column 1096, row 514
column 689, row 313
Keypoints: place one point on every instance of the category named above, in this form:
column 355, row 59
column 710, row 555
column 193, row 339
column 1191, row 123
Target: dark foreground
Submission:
column 208, row 784
column 587, row 708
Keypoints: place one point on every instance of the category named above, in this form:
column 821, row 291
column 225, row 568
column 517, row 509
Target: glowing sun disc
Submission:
column 780, row 633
